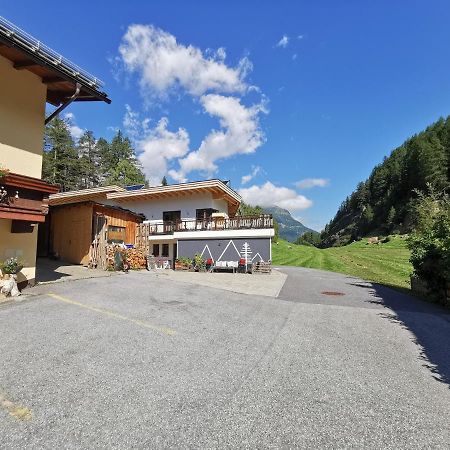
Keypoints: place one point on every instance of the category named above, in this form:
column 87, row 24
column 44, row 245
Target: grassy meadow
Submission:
column 386, row 263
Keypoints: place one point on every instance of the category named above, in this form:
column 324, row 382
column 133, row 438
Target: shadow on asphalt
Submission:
column 47, row 270
column 429, row 324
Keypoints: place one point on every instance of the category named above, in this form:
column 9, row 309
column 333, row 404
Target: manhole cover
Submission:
column 332, row 293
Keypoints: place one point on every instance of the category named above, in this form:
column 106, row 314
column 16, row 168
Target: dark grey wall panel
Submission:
column 226, row 249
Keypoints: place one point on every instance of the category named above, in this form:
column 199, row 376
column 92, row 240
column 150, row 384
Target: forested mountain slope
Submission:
column 382, row 203
column 289, row 228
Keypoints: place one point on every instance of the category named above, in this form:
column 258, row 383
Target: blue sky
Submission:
column 318, row 91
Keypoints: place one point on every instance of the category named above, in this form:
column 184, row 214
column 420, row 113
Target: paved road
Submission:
column 137, row 362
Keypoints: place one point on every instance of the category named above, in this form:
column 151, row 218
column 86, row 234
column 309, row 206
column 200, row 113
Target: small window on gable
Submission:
column 116, row 235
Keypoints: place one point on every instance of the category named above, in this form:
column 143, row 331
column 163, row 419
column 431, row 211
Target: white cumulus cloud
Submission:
column 246, row 178
column 309, row 183
column 163, row 64
column 159, row 147
column 283, row 42
column 133, row 124
column 240, row 133
column 75, row 131
column 268, row 194
column 156, row 147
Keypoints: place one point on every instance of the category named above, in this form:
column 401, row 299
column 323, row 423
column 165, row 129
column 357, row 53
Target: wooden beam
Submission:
column 20, row 65
column 87, row 98
column 30, row 183
column 21, row 216
column 55, row 100
column 218, row 195
column 52, row 80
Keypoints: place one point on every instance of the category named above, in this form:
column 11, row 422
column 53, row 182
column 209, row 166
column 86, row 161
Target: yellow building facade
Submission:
column 31, row 75
column 22, row 116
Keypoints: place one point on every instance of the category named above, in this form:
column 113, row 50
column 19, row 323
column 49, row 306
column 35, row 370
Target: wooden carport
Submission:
column 73, row 228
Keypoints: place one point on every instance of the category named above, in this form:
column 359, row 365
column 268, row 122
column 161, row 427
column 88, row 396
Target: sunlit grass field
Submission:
column 386, row 263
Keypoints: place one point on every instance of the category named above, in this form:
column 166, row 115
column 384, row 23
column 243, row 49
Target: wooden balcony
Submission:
column 262, row 221
column 24, row 198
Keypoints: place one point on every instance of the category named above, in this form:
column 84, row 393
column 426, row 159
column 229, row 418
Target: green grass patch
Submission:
column 386, row 263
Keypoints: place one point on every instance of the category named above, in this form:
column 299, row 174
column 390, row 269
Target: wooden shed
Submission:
column 73, row 227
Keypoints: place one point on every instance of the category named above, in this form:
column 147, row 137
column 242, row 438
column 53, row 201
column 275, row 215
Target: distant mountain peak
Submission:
column 289, row 228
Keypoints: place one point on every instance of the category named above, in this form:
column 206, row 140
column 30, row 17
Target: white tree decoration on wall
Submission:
column 246, row 252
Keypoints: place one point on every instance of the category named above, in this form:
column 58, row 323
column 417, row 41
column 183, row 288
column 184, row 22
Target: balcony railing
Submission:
column 212, row 224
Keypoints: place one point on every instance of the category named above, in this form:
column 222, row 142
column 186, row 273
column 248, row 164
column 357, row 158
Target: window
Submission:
column 116, row 235
column 155, row 249
column 165, row 250
column 171, row 216
column 205, row 213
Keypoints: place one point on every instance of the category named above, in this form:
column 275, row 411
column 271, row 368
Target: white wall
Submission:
column 161, row 241
column 153, row 209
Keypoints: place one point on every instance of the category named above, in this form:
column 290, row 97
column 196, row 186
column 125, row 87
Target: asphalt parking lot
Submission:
column 140, row 361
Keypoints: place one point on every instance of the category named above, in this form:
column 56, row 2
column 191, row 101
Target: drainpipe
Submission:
column 64, row 105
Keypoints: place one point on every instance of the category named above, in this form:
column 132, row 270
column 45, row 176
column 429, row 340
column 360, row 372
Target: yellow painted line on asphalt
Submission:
column 140, row 323
column 19, row 412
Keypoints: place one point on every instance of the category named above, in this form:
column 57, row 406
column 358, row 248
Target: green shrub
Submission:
column 199, row 262
column 430, row 242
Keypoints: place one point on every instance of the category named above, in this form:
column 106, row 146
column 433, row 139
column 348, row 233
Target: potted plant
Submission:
column 199, row 263
column 3, row 172
column 182, row 263
column 11, row 266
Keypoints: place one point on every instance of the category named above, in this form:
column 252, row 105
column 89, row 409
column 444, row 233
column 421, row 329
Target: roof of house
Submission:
column 102, row 206
column 83, row 195
column 58, row 73
column 217, row 188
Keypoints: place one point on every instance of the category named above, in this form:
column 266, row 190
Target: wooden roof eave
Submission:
column 175, row 191
column 30, row 183
column 64, row 198
column 25, row 60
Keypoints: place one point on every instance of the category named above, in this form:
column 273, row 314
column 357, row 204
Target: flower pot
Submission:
column 12, row 272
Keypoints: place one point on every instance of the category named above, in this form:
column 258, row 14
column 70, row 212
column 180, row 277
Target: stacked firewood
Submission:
column 135, row 257
column 262, row 267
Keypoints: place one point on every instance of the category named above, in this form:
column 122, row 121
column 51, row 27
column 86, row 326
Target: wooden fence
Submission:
column 211, row 224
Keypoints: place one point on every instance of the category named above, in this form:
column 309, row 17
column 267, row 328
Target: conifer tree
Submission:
column 90, row 162
column 387, row 197
column 60, row 164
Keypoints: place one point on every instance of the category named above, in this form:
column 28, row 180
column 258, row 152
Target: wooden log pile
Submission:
column 262, row 267
column 135, row 257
